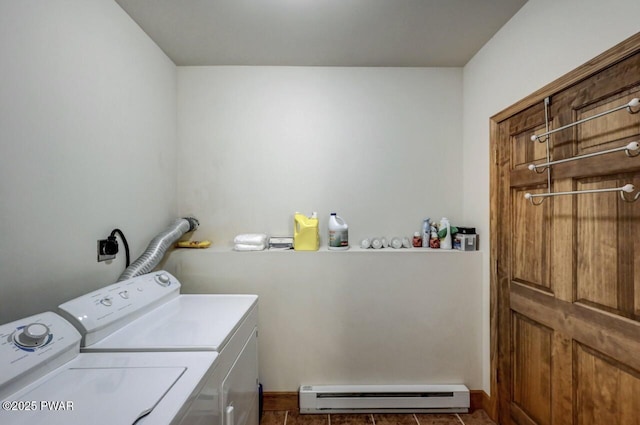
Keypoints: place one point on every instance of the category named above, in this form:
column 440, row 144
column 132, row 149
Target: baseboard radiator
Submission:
column 384, row 399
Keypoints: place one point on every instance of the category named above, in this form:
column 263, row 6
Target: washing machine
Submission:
column 149, row 314
column 44, row 379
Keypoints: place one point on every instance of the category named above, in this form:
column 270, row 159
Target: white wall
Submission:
column 354, row 317
column 379, row 146
column 87, row 144
column 545, row 40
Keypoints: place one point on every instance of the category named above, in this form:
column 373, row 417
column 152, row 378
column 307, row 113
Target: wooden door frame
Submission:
column 499, row 300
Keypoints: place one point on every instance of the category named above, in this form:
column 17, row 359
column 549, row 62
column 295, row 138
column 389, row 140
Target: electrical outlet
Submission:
column 106, row 250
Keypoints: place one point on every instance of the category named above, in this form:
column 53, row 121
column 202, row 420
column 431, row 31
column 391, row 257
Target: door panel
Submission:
column 532, row 368
column 524, row 152
column 568, row 271
column 597, row 135
column 597, row 243
column 530, row 240
column 606, row 390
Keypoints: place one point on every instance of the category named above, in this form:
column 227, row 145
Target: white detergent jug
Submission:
column 338, row 233
column 446, row 242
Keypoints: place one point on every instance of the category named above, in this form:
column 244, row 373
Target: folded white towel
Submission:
column 248, row 247
column 251, row 239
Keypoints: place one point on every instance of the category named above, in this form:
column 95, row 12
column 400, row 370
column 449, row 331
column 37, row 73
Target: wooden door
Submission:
column 567, row 272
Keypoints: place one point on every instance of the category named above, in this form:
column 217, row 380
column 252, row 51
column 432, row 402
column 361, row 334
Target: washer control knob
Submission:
column 163, row 279
column 32, row 335
column 124, row 294
column 106, row 301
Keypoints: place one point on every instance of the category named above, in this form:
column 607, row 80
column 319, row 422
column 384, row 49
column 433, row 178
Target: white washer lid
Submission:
column 202, row 322
column 118, row 395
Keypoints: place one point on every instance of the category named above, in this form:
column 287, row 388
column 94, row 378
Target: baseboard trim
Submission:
column 288, row 400
column 476, row 399
column 490, row 406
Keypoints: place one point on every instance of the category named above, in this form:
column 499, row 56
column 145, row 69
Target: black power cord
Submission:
column 112, row 245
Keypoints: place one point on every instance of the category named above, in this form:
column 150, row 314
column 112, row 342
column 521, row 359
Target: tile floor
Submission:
column 292, row 417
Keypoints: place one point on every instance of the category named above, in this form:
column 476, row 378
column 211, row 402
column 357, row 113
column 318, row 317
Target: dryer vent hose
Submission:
column 158, row 247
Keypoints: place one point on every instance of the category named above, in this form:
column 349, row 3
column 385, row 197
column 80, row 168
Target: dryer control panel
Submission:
column 100, row 313
column 33, row 344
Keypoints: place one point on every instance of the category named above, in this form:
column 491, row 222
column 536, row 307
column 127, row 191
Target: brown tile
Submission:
column 363, row 419
column 478, row 417
column 437, row 419
column 398, row 419
column 295, row 418
column 272, row 417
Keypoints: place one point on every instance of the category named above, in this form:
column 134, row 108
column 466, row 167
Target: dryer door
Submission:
column 240, row 387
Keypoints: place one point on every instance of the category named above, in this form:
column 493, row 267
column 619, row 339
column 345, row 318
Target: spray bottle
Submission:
column 426, row 232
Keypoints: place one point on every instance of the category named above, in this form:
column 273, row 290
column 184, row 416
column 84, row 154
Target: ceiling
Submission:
column 425, row 33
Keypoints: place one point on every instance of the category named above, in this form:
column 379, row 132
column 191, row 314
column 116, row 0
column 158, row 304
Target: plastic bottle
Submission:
column 426, row 232
column 434, row 242
column 417, row 240
column 446, row 242
column 305, row 232
column 338, row 233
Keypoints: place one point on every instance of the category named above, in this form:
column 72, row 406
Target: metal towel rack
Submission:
column 627, row 188
column 544, row 137
column 633, row 103
column 633, row 146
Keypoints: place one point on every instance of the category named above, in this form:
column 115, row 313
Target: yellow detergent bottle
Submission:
column 305, row 232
